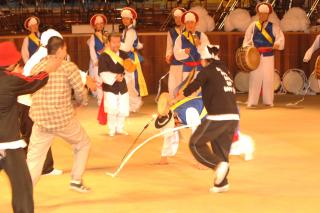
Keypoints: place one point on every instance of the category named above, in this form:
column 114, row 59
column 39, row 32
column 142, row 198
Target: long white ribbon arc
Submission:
column 125, row 160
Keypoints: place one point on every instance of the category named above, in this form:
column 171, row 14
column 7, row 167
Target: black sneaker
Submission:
column 79, row 187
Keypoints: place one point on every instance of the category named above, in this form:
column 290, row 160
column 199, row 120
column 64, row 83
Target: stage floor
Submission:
column 283, row 177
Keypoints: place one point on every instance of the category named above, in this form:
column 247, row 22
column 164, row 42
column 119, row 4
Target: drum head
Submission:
column 253, row 58
column 241, row 81
column 314, row 82
column 277, row 80
column 294, row 81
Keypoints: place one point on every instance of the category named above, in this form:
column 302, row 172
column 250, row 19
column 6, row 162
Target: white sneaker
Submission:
column 122, row 132
column 112, row 133
column 216, row 189
column 55, row 172
column 221, row 172
column 248, row 156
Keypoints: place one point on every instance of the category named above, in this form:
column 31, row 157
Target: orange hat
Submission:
column 264, row 7
column 189, row 16
column 98, row 18
column 31, row 21
column 9, row 54
column 128, row 12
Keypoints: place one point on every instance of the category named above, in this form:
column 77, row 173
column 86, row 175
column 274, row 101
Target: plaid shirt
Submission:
column 52, row 107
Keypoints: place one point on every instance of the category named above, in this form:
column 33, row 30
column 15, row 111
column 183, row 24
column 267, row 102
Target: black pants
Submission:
column 219, row 134
column 14, row 164
column 26, row 129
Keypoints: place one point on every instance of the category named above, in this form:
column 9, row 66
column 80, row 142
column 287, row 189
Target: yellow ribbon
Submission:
column 35, row 39
column 264, row 32
column 141, row 81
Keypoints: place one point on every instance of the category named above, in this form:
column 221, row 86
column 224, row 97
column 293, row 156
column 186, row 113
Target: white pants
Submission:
column 93, row 72
column 262, row 77
column 117, row 107
column 171, row 140
column 135, row 101
column 186, row 74
column 175, row 79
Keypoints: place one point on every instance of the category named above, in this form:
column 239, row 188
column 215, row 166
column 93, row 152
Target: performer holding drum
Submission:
column 189, row 45
column 266, row 37
column 31, row 43
column 175, row 72
column 96, row 45
column 130, row 43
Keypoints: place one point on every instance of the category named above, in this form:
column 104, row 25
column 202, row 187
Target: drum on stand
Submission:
column 247, row 58
column 277, row 80
column 294, row 81
column 314, row 82
column 241, row 81
column 317, row 67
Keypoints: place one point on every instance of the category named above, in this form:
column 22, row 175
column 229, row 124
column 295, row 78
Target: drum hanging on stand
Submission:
column 241, row 81
column 247, row 58
column 294, row 81
column 317, row 67
column 314, row 82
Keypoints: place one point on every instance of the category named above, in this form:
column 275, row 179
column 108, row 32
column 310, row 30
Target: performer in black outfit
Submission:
column 12, row 155
column 218, row 96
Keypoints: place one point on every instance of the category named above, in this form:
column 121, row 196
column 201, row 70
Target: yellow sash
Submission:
column 141, row 81
column 114, row 56
column 188, row 36
column 264, row 32
column 34, row 38
column 185, row 100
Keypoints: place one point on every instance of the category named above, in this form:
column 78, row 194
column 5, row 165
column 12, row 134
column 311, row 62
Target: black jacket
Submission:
column 218, row 93
column 11, row 86
column 106, row 64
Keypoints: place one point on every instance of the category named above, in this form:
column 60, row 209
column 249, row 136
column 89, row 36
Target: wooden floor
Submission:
column 283, row 177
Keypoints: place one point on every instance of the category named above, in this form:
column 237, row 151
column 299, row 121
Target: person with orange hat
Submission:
column 31, row 42
column 189, row 45
column 266, row 37
column 12, row 155
column 130, row 43
column 175, row 72
column 96, row 43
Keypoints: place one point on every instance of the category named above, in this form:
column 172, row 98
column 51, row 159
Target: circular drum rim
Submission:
column 313, row 76
column 303, row 78
column 244, row 89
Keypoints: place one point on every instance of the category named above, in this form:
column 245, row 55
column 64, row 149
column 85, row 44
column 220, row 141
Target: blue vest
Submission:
column 194, row 53
column 260, row 41
column 174, row 35
column 196, row 103
column 135, row 44
column 98, row 45
column 32, row 47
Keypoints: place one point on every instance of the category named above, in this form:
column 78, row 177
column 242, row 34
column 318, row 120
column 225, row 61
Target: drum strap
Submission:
column 264, row 32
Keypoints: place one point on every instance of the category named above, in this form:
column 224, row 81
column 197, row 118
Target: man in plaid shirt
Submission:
column 53, row 115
